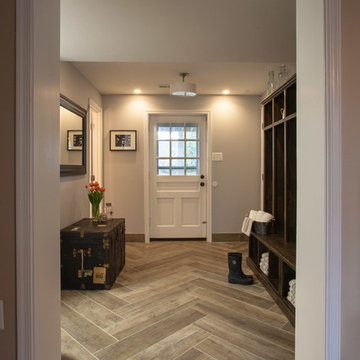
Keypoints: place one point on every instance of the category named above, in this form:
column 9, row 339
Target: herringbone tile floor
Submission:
column 173, row 301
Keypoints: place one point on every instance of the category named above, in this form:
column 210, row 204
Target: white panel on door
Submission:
column 190, row 210
column 165, row 211
column 189, row 186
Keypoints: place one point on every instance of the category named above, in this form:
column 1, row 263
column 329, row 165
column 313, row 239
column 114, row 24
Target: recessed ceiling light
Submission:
column 226, row 92
column 137, row 91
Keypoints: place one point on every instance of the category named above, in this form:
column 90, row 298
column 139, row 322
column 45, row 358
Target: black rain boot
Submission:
column 236, row 275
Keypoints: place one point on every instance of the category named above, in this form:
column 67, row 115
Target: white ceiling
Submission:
column 123, row 44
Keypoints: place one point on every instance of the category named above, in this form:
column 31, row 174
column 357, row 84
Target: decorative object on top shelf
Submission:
column 122, row 140
column 283, row 75
column 271, row 83
column 95, row 194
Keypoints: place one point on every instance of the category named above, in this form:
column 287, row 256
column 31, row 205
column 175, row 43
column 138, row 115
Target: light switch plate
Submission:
column 217, row 156
column 2, row 325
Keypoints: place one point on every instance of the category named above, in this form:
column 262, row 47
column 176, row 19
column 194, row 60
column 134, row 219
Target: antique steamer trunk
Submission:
column 92, row 256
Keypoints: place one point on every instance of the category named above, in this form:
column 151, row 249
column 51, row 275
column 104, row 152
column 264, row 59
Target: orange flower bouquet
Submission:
column 95, row 194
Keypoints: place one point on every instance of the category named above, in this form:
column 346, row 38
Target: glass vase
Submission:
column 95, row 212
column 270, row 87
column 283, row 75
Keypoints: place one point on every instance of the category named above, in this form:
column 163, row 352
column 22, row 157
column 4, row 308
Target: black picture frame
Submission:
column 74, row 140
column 123, row 140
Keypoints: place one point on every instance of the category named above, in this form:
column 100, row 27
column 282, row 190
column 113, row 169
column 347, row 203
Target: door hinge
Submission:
column 262, row 177
column 262, row 126
column 204, row 222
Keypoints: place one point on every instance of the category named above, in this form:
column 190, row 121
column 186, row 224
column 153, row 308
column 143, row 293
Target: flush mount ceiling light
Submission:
column 137, row 91
column 182, row 88
column 226, row 92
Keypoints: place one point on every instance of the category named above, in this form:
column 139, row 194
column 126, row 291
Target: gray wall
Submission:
column 74, row 203
column 350, row 180
column 7, row 160
column 235, row 132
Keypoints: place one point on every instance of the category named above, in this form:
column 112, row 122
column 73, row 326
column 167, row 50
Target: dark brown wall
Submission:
column 7, row 161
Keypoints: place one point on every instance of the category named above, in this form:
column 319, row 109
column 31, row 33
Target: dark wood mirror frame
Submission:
column 67, row 170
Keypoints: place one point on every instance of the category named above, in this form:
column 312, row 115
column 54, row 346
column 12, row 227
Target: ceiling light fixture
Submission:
column 226, row 92
column 182, row 88
column 137, row 91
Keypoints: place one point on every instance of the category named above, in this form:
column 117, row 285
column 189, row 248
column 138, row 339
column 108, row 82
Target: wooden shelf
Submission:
column 275, row 243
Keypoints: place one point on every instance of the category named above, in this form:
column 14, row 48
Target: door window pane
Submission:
column 177, row 167
column 163, row 148
column 163, row 167
column 192, row 167
column 192, row 149
column 177, row 131
column 163, row 132
column 192, row 131
column 177, row 149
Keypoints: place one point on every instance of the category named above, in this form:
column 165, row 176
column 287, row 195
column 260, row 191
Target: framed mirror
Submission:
column 72, row 138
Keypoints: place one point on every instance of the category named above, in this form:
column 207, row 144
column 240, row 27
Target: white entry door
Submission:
column 178, row 176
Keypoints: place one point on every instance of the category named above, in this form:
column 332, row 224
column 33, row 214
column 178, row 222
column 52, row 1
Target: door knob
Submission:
column 202, row 184
column 202, row 176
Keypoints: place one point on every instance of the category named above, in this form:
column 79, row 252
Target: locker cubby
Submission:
column 268, row 114
column 274, row 270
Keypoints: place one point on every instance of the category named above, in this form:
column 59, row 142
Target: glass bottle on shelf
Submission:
column 270, row 87
column 283, row 75
column 108, row 210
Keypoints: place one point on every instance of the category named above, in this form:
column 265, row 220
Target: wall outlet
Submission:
column 2, row 325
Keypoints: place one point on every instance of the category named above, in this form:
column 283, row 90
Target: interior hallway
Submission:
column 173, row 301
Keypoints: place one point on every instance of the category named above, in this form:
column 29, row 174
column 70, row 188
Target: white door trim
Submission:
column 205, row 113
column 333, row 179
column 24, row 180
column 93, row 106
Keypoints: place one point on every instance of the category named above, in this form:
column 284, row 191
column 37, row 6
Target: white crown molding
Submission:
column 24, row 179
column 333, row 176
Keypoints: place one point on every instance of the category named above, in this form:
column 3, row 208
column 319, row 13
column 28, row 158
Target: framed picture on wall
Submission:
column 122, row 140
column 74, row 140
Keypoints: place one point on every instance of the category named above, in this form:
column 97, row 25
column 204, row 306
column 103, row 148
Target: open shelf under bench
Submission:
column 282, row 267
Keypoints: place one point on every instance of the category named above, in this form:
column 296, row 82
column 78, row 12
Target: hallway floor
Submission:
column 173, row 301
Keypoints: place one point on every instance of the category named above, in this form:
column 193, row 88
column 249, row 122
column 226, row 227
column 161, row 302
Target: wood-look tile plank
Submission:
column 168, row 296
column 83, row 331
column 240, row 307
column 71, row 349
column 104, row 298
column 289, row 327
column 234, row 293
column 91, row 310
column 222, row 350
column 147, row 318
column 140, row 341
column 194, row 354
column 245, row 340
column 173, row 345
column 253, row 326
